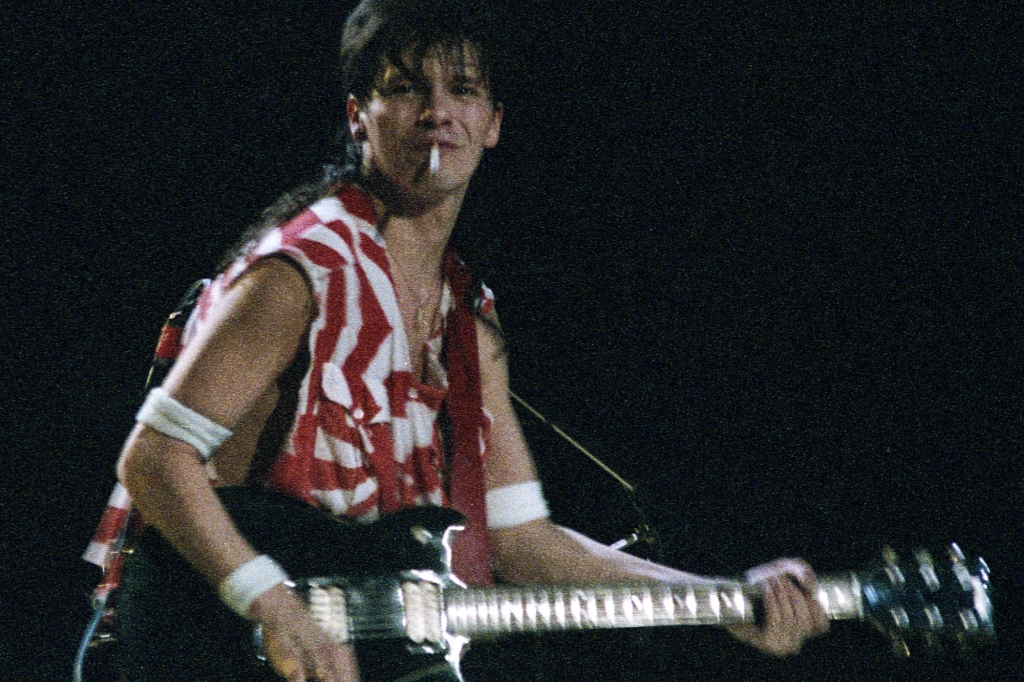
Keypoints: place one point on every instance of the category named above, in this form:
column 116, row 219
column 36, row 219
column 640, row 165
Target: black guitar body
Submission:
column 171, row 625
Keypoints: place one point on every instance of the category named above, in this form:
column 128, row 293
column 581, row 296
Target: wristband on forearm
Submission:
column 247, row 582
column 516, row 504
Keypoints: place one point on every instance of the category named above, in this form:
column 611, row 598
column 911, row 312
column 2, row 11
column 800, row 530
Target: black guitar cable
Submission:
column 643, row 532
column 163, row 358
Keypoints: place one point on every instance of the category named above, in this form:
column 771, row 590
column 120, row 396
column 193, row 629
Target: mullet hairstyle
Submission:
column 400, row 32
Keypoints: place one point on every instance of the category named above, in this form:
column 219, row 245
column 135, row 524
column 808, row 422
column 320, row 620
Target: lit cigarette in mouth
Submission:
column 435, row 159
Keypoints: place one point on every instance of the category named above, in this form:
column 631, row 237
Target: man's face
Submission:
column 445, row 104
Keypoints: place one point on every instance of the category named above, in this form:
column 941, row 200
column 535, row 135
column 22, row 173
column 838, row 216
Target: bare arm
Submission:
column 249, row 340
column 251, row 337
column 541, row 552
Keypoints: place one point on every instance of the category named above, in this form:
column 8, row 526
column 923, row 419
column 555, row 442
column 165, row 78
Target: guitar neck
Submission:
column 479, row 612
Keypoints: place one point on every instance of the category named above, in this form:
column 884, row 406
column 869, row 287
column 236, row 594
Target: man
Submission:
column 348, row 321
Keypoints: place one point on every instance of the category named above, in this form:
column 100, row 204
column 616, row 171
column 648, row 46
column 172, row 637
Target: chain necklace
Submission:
column 426, row 307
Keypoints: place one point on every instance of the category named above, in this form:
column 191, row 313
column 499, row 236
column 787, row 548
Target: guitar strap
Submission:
column 471, row 555
column 119, row 522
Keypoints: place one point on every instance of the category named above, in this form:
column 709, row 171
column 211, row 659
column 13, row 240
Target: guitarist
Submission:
column 346, row 358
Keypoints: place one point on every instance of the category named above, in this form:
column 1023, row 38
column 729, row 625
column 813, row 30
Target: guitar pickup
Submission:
column 327, row 604
column 424, row 613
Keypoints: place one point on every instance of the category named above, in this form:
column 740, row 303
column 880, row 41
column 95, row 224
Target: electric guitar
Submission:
column 387, row 588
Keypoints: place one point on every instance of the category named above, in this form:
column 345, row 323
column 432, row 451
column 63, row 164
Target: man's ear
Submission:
column 491, row 140
column 355, row 121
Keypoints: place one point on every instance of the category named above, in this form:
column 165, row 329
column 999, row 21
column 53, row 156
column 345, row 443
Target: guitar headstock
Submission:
column 939, row 601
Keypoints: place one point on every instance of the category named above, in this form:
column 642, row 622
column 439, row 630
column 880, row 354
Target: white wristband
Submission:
column 515, row 504
column 166, row 415
column 249, row 581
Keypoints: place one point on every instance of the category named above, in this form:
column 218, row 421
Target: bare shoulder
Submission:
column 275, row 281
column 250, row 336
column 271, row 301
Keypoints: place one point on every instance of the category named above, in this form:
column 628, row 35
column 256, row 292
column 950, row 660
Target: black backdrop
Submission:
column 763, row 258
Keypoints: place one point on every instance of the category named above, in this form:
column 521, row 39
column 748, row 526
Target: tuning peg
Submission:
column 891, row 569
column 934, row 617
column 983, row 570
column 899, row 646
column 969, row 620
column 899, row 617
column 926, row 566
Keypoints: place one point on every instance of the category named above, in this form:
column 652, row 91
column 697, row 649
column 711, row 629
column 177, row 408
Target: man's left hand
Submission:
column 792, row 613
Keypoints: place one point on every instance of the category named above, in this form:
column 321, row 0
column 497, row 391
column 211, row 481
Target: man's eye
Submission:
column 399, row 88
column 466, row 90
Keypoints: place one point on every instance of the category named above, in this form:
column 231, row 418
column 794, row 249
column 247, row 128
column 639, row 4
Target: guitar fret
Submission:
column 559, row 608
column 544, row 607
column 691, row 603
column 480, row 614
column 512, row 608
column 493, row 611
column 609, row 607
column 840, row 597
column 627, row 608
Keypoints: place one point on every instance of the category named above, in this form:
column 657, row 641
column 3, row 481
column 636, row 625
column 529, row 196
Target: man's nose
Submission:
column 436, row 107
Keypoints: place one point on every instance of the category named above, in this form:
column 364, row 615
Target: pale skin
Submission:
column 229, row 373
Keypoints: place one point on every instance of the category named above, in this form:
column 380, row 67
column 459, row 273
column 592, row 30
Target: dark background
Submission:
column 765, row 259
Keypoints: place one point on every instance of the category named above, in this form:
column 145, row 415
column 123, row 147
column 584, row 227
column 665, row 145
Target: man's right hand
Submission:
column 295, row 645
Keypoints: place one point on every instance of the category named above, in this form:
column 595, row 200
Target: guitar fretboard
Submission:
column 482, row 611
column 423, row 611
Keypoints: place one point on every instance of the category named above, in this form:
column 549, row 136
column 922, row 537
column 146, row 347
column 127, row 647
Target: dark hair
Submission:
column 387, row 29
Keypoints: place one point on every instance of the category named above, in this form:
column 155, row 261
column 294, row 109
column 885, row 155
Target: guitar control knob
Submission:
column 421, row 535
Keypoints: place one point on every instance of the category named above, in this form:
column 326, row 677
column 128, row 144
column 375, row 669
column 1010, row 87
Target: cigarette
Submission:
column 435, row 159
